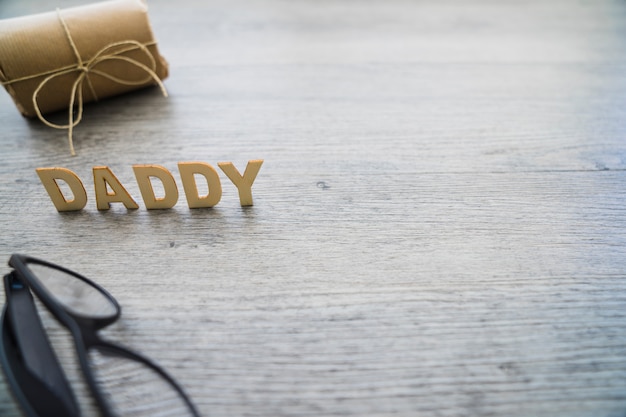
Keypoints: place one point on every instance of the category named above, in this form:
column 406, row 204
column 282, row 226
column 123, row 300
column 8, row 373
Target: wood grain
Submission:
column 439, row 223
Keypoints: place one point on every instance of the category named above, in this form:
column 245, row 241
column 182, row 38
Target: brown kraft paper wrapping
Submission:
column 38, row 44
column 56, row 60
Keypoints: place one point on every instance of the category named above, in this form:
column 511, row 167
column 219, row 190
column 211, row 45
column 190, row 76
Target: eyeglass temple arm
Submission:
column 35, row 349
column 113, row 349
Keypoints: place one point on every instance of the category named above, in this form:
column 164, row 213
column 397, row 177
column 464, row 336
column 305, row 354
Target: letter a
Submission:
column 49, row 177
column 143, row 174
column 187, row 175
column 243, row 183
column 103, row 177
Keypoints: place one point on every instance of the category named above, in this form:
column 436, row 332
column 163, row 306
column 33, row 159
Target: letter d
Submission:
column 49, row 178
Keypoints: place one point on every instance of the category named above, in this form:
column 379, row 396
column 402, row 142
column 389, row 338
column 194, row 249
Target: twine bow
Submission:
column 111, row 52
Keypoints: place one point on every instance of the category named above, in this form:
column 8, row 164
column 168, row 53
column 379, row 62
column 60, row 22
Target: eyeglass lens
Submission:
column 74, row 294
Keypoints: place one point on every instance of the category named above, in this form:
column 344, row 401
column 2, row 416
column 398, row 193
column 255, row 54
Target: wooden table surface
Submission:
column 439, row 225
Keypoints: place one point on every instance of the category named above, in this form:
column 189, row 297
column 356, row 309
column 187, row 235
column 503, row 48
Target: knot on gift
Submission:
column 83, row 69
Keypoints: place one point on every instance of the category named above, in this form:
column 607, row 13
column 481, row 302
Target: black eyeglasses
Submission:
column 123, row 383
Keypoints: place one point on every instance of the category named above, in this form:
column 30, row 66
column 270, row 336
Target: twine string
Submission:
column 110, row 52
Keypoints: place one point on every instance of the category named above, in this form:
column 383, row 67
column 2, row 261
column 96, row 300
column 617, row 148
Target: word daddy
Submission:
column 109, row 189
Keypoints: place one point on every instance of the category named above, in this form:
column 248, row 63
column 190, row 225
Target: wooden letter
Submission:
column 143, row 174
column 243, row 183
column 187, row 175
column 49, row 177
column 103, row 178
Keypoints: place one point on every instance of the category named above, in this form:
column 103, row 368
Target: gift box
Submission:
column 62, row 59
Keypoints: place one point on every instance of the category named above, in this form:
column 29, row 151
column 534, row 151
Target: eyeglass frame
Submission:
column 84, row 333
